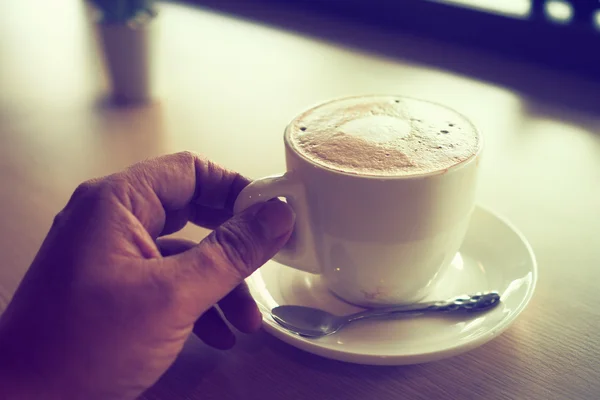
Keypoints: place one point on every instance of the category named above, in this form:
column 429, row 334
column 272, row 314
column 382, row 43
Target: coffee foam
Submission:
column 384, row 136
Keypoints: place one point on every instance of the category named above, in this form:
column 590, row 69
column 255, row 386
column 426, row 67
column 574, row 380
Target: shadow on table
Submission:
column 577, row 87
column 475, row 374
column 190, row 369
column 267, row 368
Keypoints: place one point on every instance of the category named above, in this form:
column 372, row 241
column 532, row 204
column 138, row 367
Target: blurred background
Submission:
column 556, row 33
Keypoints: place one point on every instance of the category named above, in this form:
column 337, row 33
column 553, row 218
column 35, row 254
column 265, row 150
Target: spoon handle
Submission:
column 380, row 312
column 474, row 302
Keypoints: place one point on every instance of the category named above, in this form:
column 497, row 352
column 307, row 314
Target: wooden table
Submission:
column 227, row 87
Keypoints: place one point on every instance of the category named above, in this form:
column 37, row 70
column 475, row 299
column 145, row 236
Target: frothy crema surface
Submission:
column 384, row 136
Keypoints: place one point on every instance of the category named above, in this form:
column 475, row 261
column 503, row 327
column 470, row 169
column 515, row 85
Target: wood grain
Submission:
column 226, row 88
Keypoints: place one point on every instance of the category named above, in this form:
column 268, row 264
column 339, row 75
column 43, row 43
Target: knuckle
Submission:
column 85, row 189
column 239, row 248
column 100, row 188
column 58, row 219
column 186, row 154
column 186, row 157
column 118, row 186
column 85, row 195
column 97, row 192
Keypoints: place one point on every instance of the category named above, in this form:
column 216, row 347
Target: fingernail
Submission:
column 276, row 218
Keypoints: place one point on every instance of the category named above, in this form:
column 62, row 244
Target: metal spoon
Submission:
column 313, row 323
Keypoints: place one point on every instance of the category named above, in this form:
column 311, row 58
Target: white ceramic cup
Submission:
column 375, row 241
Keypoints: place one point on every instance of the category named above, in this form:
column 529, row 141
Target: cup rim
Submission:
column 452, row 168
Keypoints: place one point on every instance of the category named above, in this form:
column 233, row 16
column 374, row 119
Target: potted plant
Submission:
column 124, row 29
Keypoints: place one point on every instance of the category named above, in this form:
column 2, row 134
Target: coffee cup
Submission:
column 383, row 188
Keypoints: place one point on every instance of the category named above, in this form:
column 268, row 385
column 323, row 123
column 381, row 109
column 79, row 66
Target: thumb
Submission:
column 234, row 250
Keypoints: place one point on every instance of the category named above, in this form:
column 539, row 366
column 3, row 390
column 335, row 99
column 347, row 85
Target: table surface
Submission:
column 227, row 86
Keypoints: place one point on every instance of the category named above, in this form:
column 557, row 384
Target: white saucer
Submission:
column 494, row 256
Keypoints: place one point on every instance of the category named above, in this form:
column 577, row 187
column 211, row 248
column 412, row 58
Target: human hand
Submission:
column 107, row 304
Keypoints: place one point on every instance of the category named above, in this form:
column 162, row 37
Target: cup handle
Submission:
column 299, row 252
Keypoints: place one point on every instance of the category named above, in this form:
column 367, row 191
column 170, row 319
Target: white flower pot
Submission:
column 128, row 59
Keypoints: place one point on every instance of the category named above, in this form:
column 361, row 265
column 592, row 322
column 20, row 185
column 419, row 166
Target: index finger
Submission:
column 175, row 182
